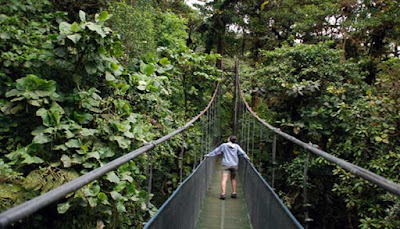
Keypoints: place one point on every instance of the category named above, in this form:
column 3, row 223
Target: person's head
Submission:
column 232, row 139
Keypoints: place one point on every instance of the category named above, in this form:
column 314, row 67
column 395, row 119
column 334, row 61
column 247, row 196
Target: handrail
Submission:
column 357, row 170
column 20, row 211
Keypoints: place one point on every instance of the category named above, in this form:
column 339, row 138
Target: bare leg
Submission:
column 233, row 181
column 223, row 182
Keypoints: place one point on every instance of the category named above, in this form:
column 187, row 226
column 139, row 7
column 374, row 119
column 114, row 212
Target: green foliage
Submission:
column 69, row 106
column 319, row 99
column 171, row 31
column 144, row 28
column 136, row 26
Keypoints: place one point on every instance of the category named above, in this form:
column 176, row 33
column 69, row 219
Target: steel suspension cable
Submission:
column 20, row 211
column 252, row 139
column 357, row 170
column 260, row 147
column 243, row 126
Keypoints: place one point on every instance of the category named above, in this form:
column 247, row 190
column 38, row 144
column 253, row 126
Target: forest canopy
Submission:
column 83, row 82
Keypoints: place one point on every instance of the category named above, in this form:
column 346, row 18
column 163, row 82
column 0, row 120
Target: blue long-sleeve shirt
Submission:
column 231, row 151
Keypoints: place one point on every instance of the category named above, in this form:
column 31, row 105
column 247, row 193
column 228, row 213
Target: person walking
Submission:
column 230, row 161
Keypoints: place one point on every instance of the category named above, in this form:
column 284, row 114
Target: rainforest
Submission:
column 84, row 82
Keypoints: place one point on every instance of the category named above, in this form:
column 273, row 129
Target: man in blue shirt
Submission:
column 230, row 160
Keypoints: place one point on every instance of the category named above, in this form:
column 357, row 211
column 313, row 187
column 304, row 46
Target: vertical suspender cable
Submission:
column 207, row 132
column 211, row 125
column 252, row 138
column 236, row 99
column 181, row 158
column 243, row 126
column 273, row 160
column 306, row 205
column 248, row 135
column 149, row 178
column 194, row 159
column 210, row 129
column 202, row 138
column 260, row 147
column 220, row 115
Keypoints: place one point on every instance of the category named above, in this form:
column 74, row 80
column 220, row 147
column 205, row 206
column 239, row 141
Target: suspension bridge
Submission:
column 195, row 203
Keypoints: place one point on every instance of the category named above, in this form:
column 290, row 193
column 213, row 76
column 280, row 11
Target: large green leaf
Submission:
column 66, row 160
column 116, row 195
column 94, row 154
column 96, row 189
column 75, row 27
column 74, row 37
column 103, row 16
column 91, row 68
column 45, row 117
column 92, row 202
column 112, row 177
column 89, row 132
column 73, row 143
column 82, row 118
column 41, row 138
column 82, row 16
column 121, row 207
column 32, row 160
column 97, row 28
column 109, row 76
column 123, row 142
column 102, row 196
column 147, row 69
column 63, row 207
column 65, row 28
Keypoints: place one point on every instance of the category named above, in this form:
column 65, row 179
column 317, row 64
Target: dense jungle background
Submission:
column 83, row 82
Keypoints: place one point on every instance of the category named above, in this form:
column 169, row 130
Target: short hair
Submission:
column 232, row 138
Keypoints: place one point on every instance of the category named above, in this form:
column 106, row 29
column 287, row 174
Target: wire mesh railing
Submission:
column 182, row 208
column 266, row 210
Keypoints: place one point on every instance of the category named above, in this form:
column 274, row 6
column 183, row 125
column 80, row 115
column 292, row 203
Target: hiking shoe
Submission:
column 234, row 195
column 222, row 197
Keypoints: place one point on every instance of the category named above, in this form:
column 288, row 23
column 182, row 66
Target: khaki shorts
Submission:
column 232, row 169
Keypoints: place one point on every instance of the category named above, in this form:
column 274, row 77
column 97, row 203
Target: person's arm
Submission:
column 242, row 153
column 215, row 152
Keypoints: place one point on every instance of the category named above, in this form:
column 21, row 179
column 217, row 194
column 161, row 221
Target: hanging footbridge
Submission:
column 195, row 203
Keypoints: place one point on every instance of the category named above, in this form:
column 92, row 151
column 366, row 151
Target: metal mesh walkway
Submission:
column 229, row 213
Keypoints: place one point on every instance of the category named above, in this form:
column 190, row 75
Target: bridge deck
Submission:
column 229, row 213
